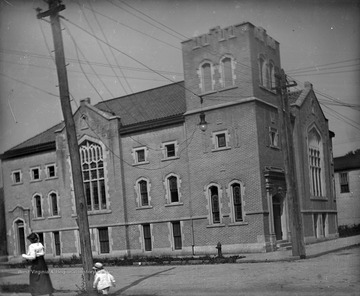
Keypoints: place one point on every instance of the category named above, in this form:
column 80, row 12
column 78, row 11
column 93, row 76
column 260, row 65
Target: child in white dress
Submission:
column 103, row 279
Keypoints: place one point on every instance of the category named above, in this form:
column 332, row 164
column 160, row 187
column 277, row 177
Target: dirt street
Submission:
column 332, row 274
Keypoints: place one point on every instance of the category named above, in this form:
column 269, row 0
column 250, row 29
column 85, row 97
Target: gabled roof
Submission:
column 157, row 103
column 347, row 162
column 147, row 106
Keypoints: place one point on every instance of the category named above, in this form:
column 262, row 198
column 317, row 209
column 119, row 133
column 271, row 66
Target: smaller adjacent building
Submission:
column 347, row 188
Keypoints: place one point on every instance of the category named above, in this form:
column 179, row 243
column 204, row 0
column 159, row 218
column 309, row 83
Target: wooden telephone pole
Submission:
column 55, row 7
column 297, row 236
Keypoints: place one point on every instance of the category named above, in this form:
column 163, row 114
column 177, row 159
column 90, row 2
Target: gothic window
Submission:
column 316, row 159
column 215, row 204
column 271, row 75
column 92, row 162
column 53, row 201
column 173, row 189
column 206, row 77
column 142, row 190
column 227, row 72
column 274, row 137
column 237, row 201
column 38, row 213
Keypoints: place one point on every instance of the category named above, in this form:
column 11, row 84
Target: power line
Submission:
column 319, row 66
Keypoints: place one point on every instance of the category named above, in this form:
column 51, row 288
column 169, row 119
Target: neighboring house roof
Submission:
column 347, row 162
column 149, row 105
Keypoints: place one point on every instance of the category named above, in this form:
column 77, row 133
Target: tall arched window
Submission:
column 38, row 213
column 271, row 75
column 53, row 201
column 173, row 187
column 316, row 163
column 92, row 163
column 215, row 204
column 237, row 203
column 227, row 72
column 206, row 77
column 142, row 189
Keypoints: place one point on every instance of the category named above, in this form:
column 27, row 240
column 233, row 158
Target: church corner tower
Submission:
column 239, row 61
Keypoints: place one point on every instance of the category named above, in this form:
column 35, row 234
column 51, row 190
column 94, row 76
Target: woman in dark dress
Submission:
column 40, row 282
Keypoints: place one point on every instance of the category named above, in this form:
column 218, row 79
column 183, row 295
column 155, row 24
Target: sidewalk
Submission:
column 70, row 278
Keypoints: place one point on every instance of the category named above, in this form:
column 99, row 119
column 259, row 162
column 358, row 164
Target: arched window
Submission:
column 215, row 204
column 237, row 203
column 206, row 77
column 38, row 213
column 173, row 189
column 264, row 72
column 227, row 72
column 142, row 190
column 271, row 75
column 53, row 201
column 92, row 163
column 316, row 163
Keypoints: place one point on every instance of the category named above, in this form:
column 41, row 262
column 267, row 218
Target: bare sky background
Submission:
column 319, row 42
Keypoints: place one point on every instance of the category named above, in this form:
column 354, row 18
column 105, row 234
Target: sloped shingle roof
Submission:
column 350, row 161
column 149, row 105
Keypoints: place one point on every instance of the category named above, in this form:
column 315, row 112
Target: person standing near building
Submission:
column 103, row 279
column 39, row 280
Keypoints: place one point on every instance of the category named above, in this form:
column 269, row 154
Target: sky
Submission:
column 118, row 47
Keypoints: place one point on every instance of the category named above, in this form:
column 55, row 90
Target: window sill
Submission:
column 97, row 212
column 35, row 181
column 54, row 217
column 141, row 163
column 220, row 149
column 144, row 208
column 238, row 224
column 227, row 88
column 267, row 89
column 38, row 219
column 170, row 158
column 215, row 225
column 274, row 147
column 318, row 198
column 15, row 184
column 174, row 204
column 51, row 178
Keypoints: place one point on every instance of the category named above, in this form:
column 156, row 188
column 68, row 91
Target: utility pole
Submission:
column 297, row 237
column 55, row 7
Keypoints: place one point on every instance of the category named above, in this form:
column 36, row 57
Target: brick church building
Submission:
column 157, row 183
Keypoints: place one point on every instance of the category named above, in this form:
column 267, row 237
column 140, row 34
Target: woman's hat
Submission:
column 98, row 265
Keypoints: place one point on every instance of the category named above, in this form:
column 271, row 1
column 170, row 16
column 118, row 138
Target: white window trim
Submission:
column 135, row 158
column 215, row 140
column 13, row 177
column 138, row 193
column 322, row 168
column 230, row 195
column 164, row 150
column 209, row 205
column 51, row 205
column 32, row 176
column 167, row 190
column 47, row 171
column 222, row 71
column 201, row 78
column 34, row 206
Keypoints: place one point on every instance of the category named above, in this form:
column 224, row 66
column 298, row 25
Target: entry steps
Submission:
column 283, row 245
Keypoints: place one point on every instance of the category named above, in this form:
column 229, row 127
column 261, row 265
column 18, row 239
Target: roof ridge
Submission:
column 140, row 92
column 37, row 135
